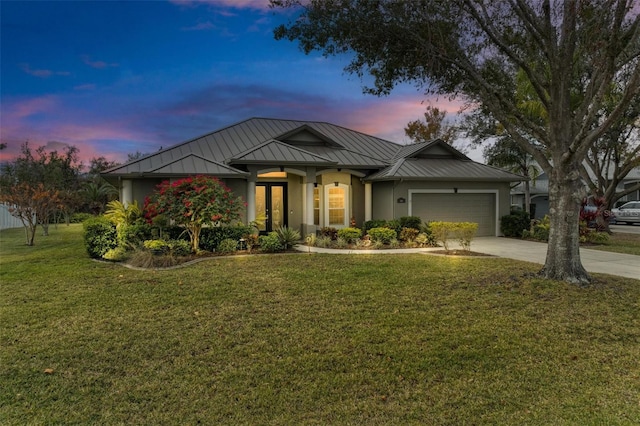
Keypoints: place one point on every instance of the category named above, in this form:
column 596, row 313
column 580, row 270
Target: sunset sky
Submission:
column 113, row 78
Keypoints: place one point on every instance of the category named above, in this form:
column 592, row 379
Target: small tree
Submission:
column 30, row 203
column 194, row 202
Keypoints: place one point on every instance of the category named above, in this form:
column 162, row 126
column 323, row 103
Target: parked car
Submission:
column 628, row 213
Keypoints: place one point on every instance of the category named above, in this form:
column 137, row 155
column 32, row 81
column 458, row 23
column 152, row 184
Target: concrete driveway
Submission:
column 603, row 262
column 626, row 229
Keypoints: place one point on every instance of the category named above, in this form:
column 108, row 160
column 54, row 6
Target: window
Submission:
column 336, row 205
column 273, row 175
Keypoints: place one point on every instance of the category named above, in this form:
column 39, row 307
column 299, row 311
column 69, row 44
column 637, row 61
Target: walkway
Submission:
column 602, row 262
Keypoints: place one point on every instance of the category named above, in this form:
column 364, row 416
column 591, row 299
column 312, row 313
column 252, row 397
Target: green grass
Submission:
column 310, row 339
column 621, row 243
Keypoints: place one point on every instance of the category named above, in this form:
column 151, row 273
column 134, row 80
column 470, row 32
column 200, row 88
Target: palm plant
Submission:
column 288, row 236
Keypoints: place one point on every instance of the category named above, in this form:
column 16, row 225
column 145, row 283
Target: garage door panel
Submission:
column 461, row 207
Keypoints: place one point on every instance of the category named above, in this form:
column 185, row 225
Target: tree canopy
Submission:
column 568, row 53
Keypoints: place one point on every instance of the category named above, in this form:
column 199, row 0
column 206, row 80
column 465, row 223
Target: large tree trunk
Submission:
column 563, row 251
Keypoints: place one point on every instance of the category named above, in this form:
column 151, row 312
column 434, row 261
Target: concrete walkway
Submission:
column 602, row 262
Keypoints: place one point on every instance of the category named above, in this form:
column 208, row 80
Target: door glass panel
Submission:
column 261, row 206
column 277, row 206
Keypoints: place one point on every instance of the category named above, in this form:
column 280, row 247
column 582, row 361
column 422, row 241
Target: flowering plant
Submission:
column 194, row 202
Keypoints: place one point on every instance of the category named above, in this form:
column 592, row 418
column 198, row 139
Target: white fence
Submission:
column 6, row 220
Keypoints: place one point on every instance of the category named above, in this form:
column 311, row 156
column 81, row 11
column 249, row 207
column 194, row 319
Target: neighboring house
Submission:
column 540, row 193
column 7, row 220
column 309, row 175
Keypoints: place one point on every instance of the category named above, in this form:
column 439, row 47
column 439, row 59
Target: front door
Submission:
column 271, row 204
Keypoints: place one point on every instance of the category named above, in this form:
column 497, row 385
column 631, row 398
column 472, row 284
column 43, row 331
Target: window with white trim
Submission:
column 336, row 205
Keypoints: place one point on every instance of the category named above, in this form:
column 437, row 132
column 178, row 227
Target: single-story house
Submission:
column 308, row 175
column 539, row 191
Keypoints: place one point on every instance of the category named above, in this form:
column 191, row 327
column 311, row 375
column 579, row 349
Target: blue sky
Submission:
column 113, row 78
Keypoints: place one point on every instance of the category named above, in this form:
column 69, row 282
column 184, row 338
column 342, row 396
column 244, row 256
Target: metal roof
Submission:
column 199, row 165
column 238, row 139
column 276, row 152
column 442, row 169
column 227, row 151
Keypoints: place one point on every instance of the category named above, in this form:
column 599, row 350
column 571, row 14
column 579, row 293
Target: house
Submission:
column 309, row 175
column 539, row 191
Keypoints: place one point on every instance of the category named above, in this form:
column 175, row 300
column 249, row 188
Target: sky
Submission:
column 114, row 78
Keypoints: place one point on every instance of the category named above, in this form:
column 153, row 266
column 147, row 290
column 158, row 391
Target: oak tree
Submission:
column 570, row 52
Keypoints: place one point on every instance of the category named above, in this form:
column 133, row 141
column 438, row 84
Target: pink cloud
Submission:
column 42, row 73
column 97, row 64
column 202, row 26
column 235, row 4
column 88, row 86
column 388, row 117
column 42, row 120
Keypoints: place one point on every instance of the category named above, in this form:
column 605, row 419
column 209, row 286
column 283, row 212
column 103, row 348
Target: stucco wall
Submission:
column 382, row 194
column 357, row 200
column 295, row 201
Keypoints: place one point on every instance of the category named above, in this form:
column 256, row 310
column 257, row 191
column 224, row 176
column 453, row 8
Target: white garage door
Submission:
column 461, row 207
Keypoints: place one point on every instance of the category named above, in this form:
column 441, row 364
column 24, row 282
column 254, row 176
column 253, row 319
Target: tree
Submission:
column 614, row 156
column 433, row 127
column 28, row 202
column 40, row 172
column 571, row 53
column 507, row 154
column 96, row 192
column 194, row 202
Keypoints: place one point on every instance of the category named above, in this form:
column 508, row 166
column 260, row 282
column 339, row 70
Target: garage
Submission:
column 478, row 207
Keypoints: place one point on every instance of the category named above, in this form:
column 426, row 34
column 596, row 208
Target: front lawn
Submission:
column 310, row 339
column 620, row 242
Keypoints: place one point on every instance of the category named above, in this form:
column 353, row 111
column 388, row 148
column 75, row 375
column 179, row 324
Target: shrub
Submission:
column 341, row 243
column 395, row 225
column 408, row 234
column 377, row 244
column 595, row 237
column 179, row 247
column 146, row 259
column 329, row 232
column 424, row 241
column 441, row 232
column 349, row 234
column 413, row 222
column 540, row 230
column 323, row 242
column 80, row 217
column 370, row 224
column 100, row 236
column 383, row 235
column 132, row 236
column 251, row 240
column 288, row 236
column 464, row 232
column 157, row 246
column 513, row 224
column 117, row 254
column 210, row 238
column 270, row 243
column 227, row 246
column 394, row 243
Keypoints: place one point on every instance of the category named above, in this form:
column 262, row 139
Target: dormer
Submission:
column 437, row 149
column 307, row 136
